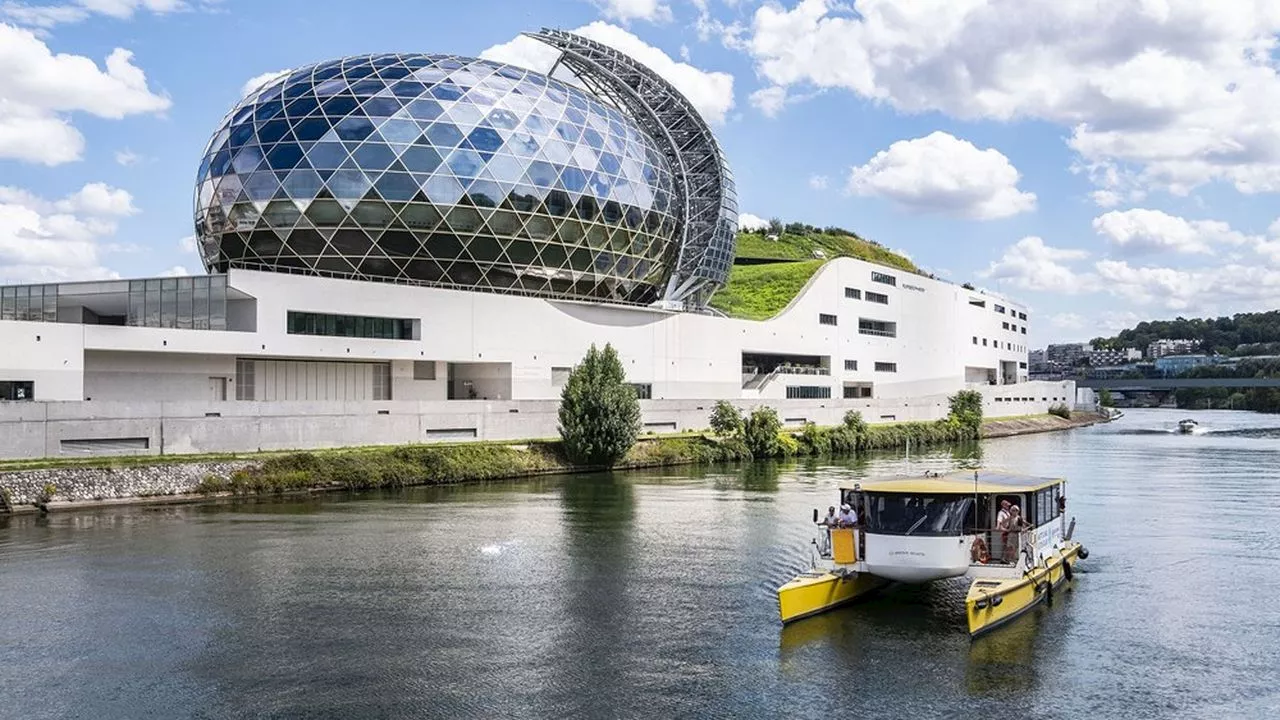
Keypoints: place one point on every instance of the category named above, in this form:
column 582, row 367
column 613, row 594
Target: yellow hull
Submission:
column 992, row 602
column 815, row 592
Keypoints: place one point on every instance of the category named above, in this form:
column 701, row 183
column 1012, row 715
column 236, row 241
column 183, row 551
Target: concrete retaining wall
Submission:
column 97, row 428
column 105, row 483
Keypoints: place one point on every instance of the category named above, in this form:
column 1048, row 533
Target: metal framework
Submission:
column 707, row 203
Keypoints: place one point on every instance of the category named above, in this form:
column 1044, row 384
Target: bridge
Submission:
column 1158, row 384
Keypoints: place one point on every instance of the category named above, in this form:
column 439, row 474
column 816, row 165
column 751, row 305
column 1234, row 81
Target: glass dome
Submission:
column 441, row 170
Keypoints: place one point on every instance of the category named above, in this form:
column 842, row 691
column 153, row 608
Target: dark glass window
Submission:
column 850, row 364
column 886, row 367
column 923, row 515
column 644, row 391
column 882, row 278
column 876, row 297
column 825, row 319
column 853, row 293
column 808, row 392
column 306, row 323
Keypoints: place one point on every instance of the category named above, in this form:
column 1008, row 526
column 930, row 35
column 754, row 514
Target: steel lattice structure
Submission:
column 706, row 204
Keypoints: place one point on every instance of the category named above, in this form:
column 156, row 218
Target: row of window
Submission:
column 880, row 366
column 996, row 344
column 853, row 392
column 875, row 297
column 186, row 303
column 38, row 303
column 808, row 392
column 877, row 327
column 1014, row 327
column 882, row 278
column 308, row 323
column 998, row 308
column 1029, row 399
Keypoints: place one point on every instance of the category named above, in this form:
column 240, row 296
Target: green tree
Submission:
column 966, row 409
column 1104, row 398
column 725, row 419
column 599, row 412
column 760, row 433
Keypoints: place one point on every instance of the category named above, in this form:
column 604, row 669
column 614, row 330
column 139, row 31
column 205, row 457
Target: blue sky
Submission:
column 1103, row 162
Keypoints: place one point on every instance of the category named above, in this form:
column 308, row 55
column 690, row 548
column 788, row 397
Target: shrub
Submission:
column 725, row 419
column 760, row 432
column 815, row 440
column 1061, row 410
column 599, row 412
column 787, row 445
column 966, row 409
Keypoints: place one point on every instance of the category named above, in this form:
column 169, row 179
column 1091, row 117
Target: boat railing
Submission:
column 1001, row 545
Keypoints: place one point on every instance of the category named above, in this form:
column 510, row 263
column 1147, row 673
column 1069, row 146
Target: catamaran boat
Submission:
column 1187, row 426
column 923, row 529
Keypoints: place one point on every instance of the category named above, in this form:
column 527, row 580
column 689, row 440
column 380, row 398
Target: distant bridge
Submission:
column 1156, row 384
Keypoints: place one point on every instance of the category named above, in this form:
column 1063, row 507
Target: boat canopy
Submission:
column 960, row 482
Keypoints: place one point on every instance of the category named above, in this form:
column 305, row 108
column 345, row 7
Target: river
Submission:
column 650, row 594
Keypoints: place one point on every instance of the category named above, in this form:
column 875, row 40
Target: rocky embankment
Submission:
column 77, row 486
column 997, row 428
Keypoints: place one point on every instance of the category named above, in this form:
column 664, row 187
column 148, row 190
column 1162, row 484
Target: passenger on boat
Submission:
column 1007, row 549
column 979, row 553
column 848, row 518
column 831, row 520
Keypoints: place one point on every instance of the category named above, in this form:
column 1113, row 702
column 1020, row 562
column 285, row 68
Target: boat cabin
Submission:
column 915, row 529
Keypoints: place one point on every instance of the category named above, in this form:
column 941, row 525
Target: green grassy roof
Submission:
column 753, row 246
column 758, row 292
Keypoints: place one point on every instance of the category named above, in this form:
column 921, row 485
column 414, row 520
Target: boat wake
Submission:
column 1273, row 432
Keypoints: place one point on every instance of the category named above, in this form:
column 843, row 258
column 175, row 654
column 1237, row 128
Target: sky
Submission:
column 1103, row 162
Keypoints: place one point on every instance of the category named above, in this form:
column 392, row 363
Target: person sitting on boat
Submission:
column 831, row 520
column 848, row 518
column 979, row 553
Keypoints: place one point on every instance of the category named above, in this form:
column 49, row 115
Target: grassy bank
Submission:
column 758, row 292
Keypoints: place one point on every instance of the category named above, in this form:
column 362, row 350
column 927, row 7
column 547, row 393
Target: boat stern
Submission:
column 817, row 591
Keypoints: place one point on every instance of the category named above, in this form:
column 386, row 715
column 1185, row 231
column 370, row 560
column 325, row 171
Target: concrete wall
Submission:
column 134, row 376
column 32, row 430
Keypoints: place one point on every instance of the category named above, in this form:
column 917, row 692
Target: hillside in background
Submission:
column 1242, row 334
column 768, row 273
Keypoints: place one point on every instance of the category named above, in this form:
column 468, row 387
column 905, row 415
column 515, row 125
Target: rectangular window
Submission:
column 381, row 381
column 51, row 303
column 200, row 303
column 882, row 278
column 984, row 342
column 1024, row 329
column 424, row 370
column 245, row 380
column 17, row 390
column 857, row 391
column 559, row 376
column 8, row 303
column 1022, row 316
column 825, row 319
column 1000, row 309
column 217, row 302
column 1022, row 365
column 853, row 293
column 185, row 293
column 808, row 392
column 850, row 364
column 303, row 323
column 886, row 367
column 169, row 302
column 1006, row 325
column 877, row 327
column 975, row 339
column 876, row 297
column 644, row 391
column 977, row 303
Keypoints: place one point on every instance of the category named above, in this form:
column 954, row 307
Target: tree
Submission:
column 599, row 412
column 775, row 226
column 760, row 433
column 966, row 409
column 725, row 419
column 1104, row 398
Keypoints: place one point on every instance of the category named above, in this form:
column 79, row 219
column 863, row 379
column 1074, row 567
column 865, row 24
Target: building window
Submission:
column 644, row 391
column 977, row 303
column 309, row 323
column 37, row 303
column 245, row 379
column 381, row 381
column 1022, row 365
column 877, row 327
column 852, row 392
column 886, row 367
column 1022, row 316
column 808, row 392
column 975, row 339
column 825, row 319
column 1000, row 309
column 560, row 376
column 1024, row 329
column 424, row 370
column 1006, row 325
column 882, row 278
column 186, row 303
column 984, row 342
column 17, row 390
column 876, row 297
column 850, row 364
column 853, row 293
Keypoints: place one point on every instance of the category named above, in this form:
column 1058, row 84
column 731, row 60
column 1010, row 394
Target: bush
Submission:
column 1061, row 410
column 725, row 419
column 815, row 440
column 760, row 432
column 966, row 409
column 599, row 412
column 787, row 445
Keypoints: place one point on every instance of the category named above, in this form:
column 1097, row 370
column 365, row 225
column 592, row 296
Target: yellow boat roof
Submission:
column 960, row 482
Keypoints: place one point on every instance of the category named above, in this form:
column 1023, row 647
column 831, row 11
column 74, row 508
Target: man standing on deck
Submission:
column 1003, row 520
column 848, row 518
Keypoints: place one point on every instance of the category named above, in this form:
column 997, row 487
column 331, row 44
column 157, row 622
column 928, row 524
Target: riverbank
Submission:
column 66, row 485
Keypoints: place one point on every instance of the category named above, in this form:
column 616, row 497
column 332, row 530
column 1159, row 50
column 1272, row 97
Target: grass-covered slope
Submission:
column 788, row 246
column 758, row 292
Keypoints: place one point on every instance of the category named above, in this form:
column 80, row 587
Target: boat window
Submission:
column 919, row 515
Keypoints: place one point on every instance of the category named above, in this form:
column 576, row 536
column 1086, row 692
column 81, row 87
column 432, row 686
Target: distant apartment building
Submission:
column 1177, row 364
column 1108, row 358
column 1065, row 355
column 1166, row 347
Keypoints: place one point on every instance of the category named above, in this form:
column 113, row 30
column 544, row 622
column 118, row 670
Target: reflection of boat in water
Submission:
column 1187, row 426
column 918, row 530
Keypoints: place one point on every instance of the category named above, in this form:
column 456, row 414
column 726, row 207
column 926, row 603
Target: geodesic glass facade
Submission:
column 440, row 170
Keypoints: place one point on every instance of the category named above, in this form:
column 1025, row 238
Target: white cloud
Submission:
column 940, row 173
column 1067, row 321
column 47, row 16
column 1141, row 231
column 818, row 182
column 1105, row 198
column 770, row 100
column 1202, row 291
column 1029, row 264
column 38, row 89
column 258, row 81
column 747, row 221
column 187, row 244
column 711, row 93
column 175, row 271
column 627, row 10
column 58, row 240
column 127, row 157
column 1180, row 91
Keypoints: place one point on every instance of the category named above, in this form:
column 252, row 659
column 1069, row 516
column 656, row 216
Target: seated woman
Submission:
column 978, row 552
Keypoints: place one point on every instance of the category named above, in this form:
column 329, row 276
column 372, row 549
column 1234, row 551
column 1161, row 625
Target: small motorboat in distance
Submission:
column 962, row 524
column 1187, row 426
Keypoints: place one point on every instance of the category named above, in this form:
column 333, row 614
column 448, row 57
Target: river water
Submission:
column 650, row 594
